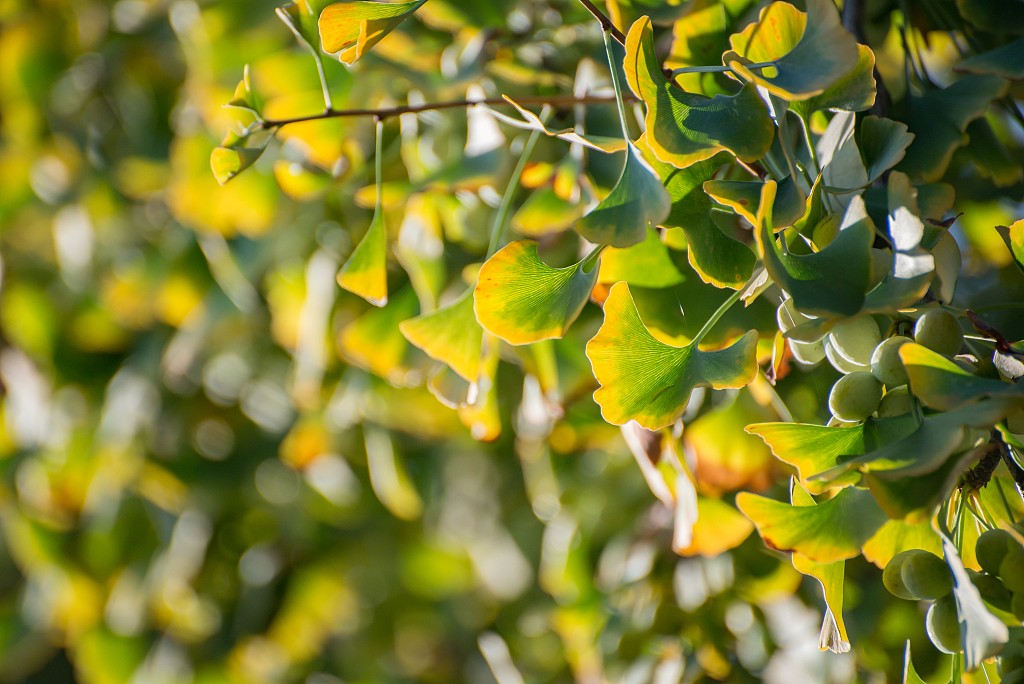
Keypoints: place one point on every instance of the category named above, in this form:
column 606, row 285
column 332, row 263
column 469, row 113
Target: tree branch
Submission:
column 606, row 24
column 389, row 112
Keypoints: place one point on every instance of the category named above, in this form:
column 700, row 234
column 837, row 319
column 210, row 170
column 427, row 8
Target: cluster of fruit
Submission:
column 918, row 575
column 855, row 348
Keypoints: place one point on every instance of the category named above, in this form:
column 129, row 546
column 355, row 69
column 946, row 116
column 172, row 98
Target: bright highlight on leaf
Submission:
column 646, row 380
column 982, row 634
column 521, row 299
column 809, row 52
column 831, row 531
column 941, row 384
column 451, row 335
column 682, row 127
column 352, row 28
column 637, row 201
column 365, row 273
column 1013, row 236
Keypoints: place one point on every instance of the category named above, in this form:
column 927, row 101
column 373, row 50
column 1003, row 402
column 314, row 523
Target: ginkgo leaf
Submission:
column 811, row 449
column 826, row 283
column 545, row 213
column 374, row 342
column 853, row 92
column 646, row 264
column 521, row 299
column 718, row 528
column 939, row 119
column 896, row 536
column 301, row 18
column 831, row 577
column 450, row 334
column 941, row 384
column 832, row 531
column 883, row 143
column 716, row 257
column 352, row 28
column 637, row 201
column 1006, row 61
column 228, row 162
column 809, row 52
column 480, row 411
column 365, row 273
column 725, row 457
column 682, row 127
column 1013, row 236
column 744, row 197
column 532, row 122
column 982, row 634
column 646, row 380
column 698, row 38
column 910, row 675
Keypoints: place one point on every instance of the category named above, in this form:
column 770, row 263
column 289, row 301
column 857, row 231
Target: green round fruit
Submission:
column 939, row 331
column 1015, row 422
column 1011, row 570
column 886, row 364
column 856, row 339
column 991, row 549
column 807, row 353
column 926, row 575
column 896, row 402
column 991, row 590
column 841, row 364
column 892, row 576
column 855, row 396
column 943, row 626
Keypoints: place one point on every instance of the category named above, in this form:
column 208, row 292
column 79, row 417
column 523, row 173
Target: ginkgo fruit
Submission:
column 943, row 626
column 926, row 575
column 886, row 364
column 855, row 396
column 856, row 339
column 939, row 331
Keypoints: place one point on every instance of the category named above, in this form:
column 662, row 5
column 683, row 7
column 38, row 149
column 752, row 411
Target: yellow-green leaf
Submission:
column 811, row 448
column 1013, row 236
column 352, row 28
column 896, row 536
column 853, row 92
column 646, row 380
column 366, row 271
column 831, row 531
column 451, row 335
column 228, row 162
column 647, row 264
column 521, row 299
column 682, row 127
column 941, row 384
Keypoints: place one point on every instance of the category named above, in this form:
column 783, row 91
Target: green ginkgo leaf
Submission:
column 637, row 201
column 896, row 536
column 647, row 264
column 351, row 29
column 697, row 40
column 826, row 283
column 684, row 128
column 982, row 634
column 1013, row 236
column 854, row 92
column 811, row 449
column 832, row 531
column 883, row 143
column 649, row 381
column 939, row 119
column 914, row 497
column 521, row 299
column 365, row 273
column 808, row 52
column 744, row 197
column 997, row 17
column 831, row 577
column 450, row 334
column 716, row 257
column 1006, row 61
column 910, row 675
column 941, row 384
column 228, row 162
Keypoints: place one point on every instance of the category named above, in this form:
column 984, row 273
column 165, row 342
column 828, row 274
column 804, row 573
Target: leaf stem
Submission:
column 719, row 312
column 606, row 23
column 501, row 219
column 715, row 69
column 810, row 146
column 389, row 112
column 378, row 166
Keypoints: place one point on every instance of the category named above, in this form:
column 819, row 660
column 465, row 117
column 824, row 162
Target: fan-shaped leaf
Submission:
column 366, row 273
column 744, row 198
column 1006, row 61
column 521, row 299
column 854, row 92
column 1013, row 236
column 647, row 264
column 352, row 28
column 811, row 449
column 941, row 384
column 883, row 143
column 228, row 162
column 898, row 535
column 637, row 201
column 451, row 335
column 682, row 127
column 809, row 52
column 831, row 531
column 646, row 380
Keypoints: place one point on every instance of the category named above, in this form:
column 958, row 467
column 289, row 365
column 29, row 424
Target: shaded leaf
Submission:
column 854, row 92
column 1013, row 236
column 727, row 458
column 809, row 52
column 915, row 497
column 228, row 162
column 521, row 299
column 682, row 127
column 351, row 29
column 637, row 201
column 831, row 531
column 941, row 384
column 883, row 143
column 480, row 412
column 1006, row 61
column 451, row 335
column 646, row 380
column 998, row 17
column 910, row 675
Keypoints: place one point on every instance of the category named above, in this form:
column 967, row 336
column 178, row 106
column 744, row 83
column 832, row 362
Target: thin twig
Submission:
column 606, row 24
column 556, row 101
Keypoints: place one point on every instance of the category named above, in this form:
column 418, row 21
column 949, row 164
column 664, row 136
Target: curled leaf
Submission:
column 352, row 28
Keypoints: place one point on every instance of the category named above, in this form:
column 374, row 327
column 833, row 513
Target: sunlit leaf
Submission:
column 648, row 381
column 450, row 334
column 373, row 341
column 545, row 213
column 910, row 675
column 521, row 299
column 698, row 38
column 744, row 198
column 683, row 128
column 939, row 121
column 637, row 201
column 941, row 384
column 898, row 535
column 854, row 92
column 809, row 52
column 831, row 531
column 727, row 458
column 718, row 528
column 365, row 273
column 351, row 29
column 228, row 162
column 1013, row 236
column 811, row 449
column 646, row 264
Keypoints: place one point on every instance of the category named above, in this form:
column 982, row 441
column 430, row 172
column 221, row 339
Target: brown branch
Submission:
column 979, row 476
column 606, row 23
column 388, row 112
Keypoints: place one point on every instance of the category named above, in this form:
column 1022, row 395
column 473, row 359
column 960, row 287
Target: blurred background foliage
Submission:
column 217, row 467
